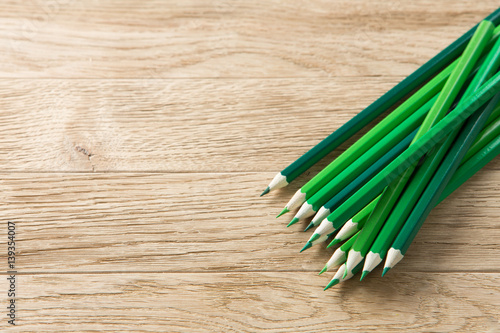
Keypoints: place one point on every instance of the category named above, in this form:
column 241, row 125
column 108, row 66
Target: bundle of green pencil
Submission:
column 376, row 195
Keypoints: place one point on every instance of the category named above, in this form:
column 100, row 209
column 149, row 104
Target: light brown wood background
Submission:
column 136, row 136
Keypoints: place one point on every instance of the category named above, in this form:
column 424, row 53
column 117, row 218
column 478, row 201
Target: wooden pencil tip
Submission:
column 293, row 221
column 310, row 226
column 333, row 242
column 314, row 237
column 331, row 284
column 284, row 211
column 308, row 245
column 266, row 191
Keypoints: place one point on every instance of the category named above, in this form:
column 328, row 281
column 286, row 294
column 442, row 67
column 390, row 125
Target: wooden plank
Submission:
column 178, row 125
column 106, row 222
column 158, row 39
column 137, row 136
column 256, row 302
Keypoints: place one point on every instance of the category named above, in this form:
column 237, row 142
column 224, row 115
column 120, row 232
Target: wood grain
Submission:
column 137, row 136
column 258, row 302
column 221, row 38
column 174, row 125
column 211, row 222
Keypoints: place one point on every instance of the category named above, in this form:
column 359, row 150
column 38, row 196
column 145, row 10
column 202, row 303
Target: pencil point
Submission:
column 293, row 221
column 310, row 226
column 333, row 242
column 331, row 284
column 266, row 191
column 345, row 274
column 386, row 269
column 308, row 245
column 323, row 270
column 284, row 211
column 314, row 237
column 363, row 274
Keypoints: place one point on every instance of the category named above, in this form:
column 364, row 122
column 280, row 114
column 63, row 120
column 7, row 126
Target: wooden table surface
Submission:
column 136, row 137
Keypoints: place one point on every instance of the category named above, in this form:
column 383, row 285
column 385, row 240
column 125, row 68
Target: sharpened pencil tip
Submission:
column 333, row 242
column 266, row 191
column 313, row 238
column 323, row 270
column 311, row 225
column 331, row 284
column 345, row 274
column 293, row 221
column 284, row 211
column 363, row 274
column 386, row 269
column 308, row 245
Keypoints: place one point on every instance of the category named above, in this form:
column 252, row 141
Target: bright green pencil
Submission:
column 450, row 90
column 425, row 172
column 435, row 135
column 436, row 186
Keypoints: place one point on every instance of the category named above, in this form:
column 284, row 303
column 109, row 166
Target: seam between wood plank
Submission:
column 135, row 171
column 236, row 271
column 206, row 78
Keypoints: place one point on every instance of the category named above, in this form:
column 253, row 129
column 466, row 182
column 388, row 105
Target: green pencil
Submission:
column 382, row 104
column 425, row 172
column 436, row 186
column 353, row 225
column 472, row 166
column 349, row 229
column 494, row 116
column 340, row 255
column 435, row 135
column 341, row 275
column 489, row 133
column 450, row 90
